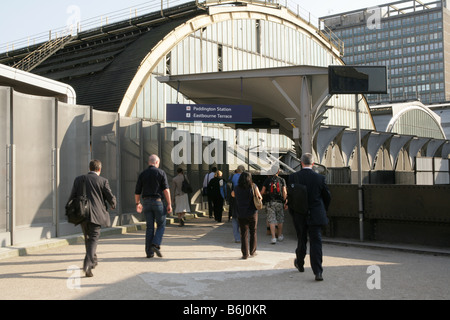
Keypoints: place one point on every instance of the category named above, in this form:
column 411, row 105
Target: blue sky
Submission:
column 21, row 19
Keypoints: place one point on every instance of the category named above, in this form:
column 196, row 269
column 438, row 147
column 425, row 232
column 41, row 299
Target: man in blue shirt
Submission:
column 151, row 186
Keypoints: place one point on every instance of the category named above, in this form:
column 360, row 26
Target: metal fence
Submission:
column 415, row 214
column 46, row 144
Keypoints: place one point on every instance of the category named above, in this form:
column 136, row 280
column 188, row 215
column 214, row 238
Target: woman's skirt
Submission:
column 182, row 204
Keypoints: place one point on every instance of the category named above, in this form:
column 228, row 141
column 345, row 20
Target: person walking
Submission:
column 99, row 193
column 182, row 205
column 247, row 213
column 206, row 180
column 151, row 186
column 232, row 207
column 217, row 190
column 310, row 224
column 275, row 188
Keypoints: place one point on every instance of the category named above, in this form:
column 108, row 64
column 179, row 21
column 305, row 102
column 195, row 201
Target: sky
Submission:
column 24, row 19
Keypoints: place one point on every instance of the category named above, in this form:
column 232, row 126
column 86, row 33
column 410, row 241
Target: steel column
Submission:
column 360, row 190
column 305, row 116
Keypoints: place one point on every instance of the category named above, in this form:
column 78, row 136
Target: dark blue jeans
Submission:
column 154, row 213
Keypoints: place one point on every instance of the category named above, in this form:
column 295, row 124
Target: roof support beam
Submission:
column 286, row 96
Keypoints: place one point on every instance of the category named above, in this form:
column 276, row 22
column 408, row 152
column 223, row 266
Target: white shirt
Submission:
column 208, row 178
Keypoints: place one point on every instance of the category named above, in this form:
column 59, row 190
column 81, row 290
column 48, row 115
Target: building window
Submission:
column 220, row 58
column 258, row 36
column 169, row 64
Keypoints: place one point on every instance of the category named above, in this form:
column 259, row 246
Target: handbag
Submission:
column 186, row 186
column 77, row 209
column 257, row 201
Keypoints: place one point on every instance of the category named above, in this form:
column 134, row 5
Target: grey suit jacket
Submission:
column 99, row 193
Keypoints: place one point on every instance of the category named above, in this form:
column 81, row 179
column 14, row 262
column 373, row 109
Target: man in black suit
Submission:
column 311, row 223
column 98, row 192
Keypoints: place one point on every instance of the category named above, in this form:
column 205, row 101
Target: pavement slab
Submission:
column 201, row 261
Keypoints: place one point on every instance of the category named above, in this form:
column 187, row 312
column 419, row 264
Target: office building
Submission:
column 409, row 37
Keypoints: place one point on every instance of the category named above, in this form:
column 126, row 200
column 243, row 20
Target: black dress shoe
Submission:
column 319, row 277
column 299, row 268
column 156, row 250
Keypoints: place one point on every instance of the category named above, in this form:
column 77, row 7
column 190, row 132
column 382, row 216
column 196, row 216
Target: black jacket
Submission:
column 98, row 192
column 319, row 196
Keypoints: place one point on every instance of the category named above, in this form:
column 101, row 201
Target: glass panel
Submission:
column 161, row 102
column 130, row 157
column 166, row 153
column 140, row 105
column 104, row 145
column 154, row 98
column 34, row 157
column 74, row 149
column 147, row 99
column 4, row 141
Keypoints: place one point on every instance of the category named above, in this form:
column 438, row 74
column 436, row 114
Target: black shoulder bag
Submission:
column 77, row 210
column 297, row 197
column 186, row 186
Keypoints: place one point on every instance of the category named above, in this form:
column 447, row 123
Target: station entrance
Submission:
column 293, row 98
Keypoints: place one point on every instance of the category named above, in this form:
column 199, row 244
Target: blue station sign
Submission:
column 213, row 113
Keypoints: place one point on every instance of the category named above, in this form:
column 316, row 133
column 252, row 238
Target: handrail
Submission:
column 42, row 53
column 91, row 23
column 159, row 5
column 330, row 36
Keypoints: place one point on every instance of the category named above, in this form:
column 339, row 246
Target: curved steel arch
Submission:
column 412, row 107
column 214, row 14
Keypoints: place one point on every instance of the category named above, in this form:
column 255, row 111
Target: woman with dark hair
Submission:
column 247, row 213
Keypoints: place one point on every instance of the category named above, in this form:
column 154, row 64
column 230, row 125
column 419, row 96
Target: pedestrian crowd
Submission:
column 305, row 196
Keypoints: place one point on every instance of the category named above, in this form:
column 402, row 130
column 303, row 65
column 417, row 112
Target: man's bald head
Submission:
column 153, row 160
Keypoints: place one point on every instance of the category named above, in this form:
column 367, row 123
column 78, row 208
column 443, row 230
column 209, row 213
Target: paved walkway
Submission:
column 202, row 262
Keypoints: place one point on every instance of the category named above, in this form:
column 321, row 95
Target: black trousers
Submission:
column 210, row 206
column 91, row 233
column 315, row 243
column 218, row 208
column 248, row 227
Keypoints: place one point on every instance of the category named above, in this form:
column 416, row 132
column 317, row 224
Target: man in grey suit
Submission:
column 99, row 193
column 311, row 223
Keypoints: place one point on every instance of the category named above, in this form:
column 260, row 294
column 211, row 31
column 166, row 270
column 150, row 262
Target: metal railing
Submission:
column 42, row 53
column 155, row 6
column 91, row 23
column 330, row 36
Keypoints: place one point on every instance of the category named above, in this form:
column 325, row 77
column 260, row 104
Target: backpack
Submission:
column 297, row 197
column 275, row 192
